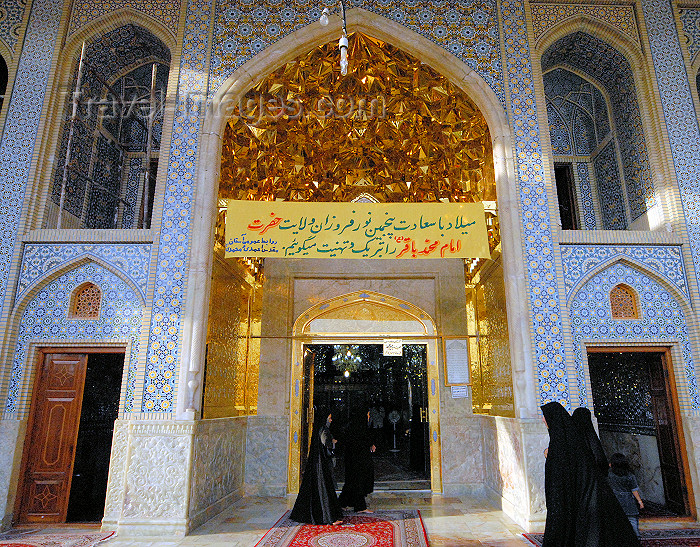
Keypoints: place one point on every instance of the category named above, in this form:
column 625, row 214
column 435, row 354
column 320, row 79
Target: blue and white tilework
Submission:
column 23, row 117
column 585, row 195
column 84, row 11
column 45, row 318
column 546, row 16
column 679, row 111
column 134, row 174
column 11, row 15
column 607, row 66
column 468, row 30
column 544, row 305
column 690, row 20
column 665, row 261
column 610, row 197
column 661, row 320
column 173, row 247
column 40, row 260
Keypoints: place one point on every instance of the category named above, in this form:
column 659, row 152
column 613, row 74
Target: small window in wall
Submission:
column 565, row 193
column 3, row 80
column 623, row 303
column 85, row 303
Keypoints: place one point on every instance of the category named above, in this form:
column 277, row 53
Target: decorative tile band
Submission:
column 46, row 317
column 679, row 111
column 22, row 123
column 84, row 11
column 39, row 260
column 547, row 16
column 166, row 323
column 467, row 30
column 545, row 311
column 665, row 261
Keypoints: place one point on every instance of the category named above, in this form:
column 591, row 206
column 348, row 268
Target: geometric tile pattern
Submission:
column 11, row 15
column 690, row 19
column 173, row 246
column 610, row 197
column 39, row 260
column 468, row 30
column 546, row 16
column 571, row 110
column 679, row 111
column 585, row 195
column 84, row 11
column 661, row 320
column 46, row 318
column 134, row 171
column 664, row 261
column 607, row 66
column 545, row 312
column 22, row 123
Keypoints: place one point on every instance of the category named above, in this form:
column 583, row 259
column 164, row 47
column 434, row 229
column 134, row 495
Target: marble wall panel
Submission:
column 11, row 433
column 267, row 450
column 218, row 466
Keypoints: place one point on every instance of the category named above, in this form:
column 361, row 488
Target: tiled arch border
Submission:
column 288, row 48
column 579, row 366
column 651, row 115
column 69, row 54
column 660, row 159
column 692, row 64
column 132, row 376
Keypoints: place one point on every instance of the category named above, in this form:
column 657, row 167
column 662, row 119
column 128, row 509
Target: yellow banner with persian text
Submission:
column 285, row 229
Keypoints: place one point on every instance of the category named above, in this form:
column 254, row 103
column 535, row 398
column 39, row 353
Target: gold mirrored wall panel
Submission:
column 233, row 341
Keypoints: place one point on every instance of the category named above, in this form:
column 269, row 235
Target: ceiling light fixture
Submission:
column 343, row 42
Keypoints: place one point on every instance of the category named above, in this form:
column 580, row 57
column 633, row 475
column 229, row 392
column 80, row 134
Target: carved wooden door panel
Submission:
column 666, row 436
column 53, row 430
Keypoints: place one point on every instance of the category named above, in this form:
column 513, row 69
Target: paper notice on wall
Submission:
column 392, row 348
column 456, row 361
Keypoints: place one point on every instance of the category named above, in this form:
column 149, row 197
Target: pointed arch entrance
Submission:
column 362, row 317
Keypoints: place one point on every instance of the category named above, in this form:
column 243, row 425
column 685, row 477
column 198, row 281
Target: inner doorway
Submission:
column 343, row 377
column 69, row 439
column 637, row 415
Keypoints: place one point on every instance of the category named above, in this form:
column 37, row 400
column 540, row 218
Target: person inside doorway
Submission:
column 317, row 502
column 624, row 486
column 359, row 467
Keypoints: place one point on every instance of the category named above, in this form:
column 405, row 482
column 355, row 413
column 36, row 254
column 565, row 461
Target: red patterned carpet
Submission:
column 56, row 540
column 685, row 537
column 380, row 529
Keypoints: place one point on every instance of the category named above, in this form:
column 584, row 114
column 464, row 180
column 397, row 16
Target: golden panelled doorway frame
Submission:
column 363, row 306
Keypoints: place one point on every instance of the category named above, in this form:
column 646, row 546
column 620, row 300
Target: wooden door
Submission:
column 666, row 435
column 52, row 434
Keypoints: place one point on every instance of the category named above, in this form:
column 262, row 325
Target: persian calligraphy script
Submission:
column 286, row 229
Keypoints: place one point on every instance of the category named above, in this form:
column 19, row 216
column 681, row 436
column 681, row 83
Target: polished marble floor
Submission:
column 449, row 522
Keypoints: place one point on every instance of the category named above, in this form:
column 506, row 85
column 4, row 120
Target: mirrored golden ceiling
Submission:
column 393, row 128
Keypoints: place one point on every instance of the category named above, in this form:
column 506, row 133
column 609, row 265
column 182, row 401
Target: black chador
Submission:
column 317, row 502
column 600, row 520
column 559, row 479
column 359, row 467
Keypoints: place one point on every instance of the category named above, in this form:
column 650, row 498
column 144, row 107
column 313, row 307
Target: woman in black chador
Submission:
column 559, row 479
column 359, row 467
column 581, row 509
column 600, row 519
column 317, row 502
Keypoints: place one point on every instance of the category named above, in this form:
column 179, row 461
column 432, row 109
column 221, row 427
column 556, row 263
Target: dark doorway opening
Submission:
column 568, row 212
column 99, row 410
column 343, row 377
column 637, row 415
column 69, row 438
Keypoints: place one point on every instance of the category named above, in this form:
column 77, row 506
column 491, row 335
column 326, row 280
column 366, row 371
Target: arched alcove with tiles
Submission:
column 602, row 166
column 107, row 153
